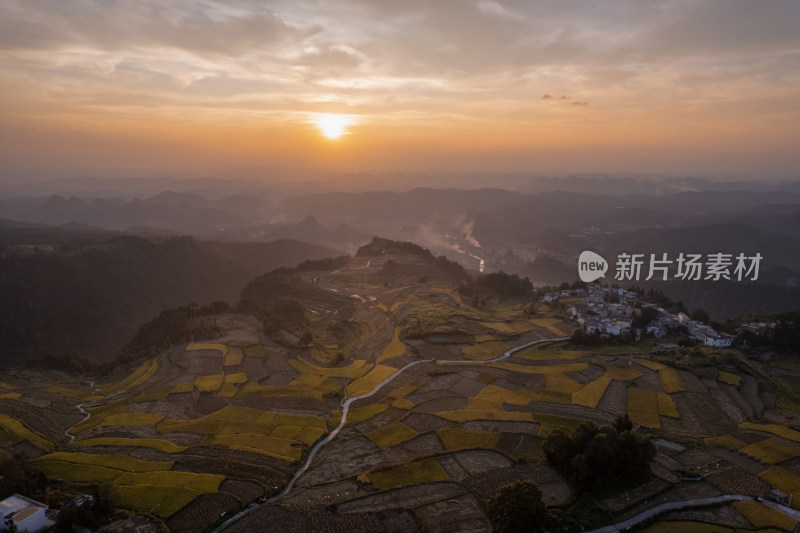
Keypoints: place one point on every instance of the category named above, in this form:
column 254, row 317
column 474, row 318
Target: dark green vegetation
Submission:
column 785, row 336
column 378, row 246
column 17, row 474
column 517, row 507
column 87, row 299
column 596, row 458
column 90, row 512
column 496, row 284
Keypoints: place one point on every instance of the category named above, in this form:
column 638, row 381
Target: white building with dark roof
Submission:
column 27, row 514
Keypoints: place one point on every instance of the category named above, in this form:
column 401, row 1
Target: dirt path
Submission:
column 86, row 414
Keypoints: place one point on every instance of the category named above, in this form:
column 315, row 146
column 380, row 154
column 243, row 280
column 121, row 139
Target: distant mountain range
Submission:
column 549, row 219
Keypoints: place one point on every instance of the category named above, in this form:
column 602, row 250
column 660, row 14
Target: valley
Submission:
column 394, row 404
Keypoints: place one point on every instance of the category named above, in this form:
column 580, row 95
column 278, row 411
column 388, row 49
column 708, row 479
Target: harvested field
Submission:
column 666, row 406
column 244, row 490
column 457, row 439
column 255, row 350
column 745, row 462
column 727, row 441
column 228, row 464
column 775, row 429
column 484, row 350
column 692, row 382
column 359, row 414
column 591, row 394
column 410, row 474
column 550, row 324
column 209, row 383
column 589, row 375
column 771, row 451
column 779, row 478
column 621, row 370
column 271, row 514
column 234, row 357
column 489, row 483
column 157, row 444
column 464, row 415
column 734, row 480
column 643, row 407
column 327, row 522
column 171, row 478
column 423, row 422
column 277, row 447
column 136, row 378
column 14, row 426
column 203, row 510
column 615, row 399
column 117, row 462
column 404, row 498
column 671, row 380
column 391, row 435
column 79, row 473
column 762, row 516
column 368, row 382
column 729, row 378
column 162, row 501
column 652, row 365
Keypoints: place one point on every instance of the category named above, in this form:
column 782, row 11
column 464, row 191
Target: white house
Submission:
column 655, row 329
column 720, row 340
column 27, row 514
column 593, row 325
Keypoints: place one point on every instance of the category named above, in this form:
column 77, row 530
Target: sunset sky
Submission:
column 118, row 88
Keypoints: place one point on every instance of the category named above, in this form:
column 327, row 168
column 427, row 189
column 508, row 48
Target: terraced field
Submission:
column 210, row 427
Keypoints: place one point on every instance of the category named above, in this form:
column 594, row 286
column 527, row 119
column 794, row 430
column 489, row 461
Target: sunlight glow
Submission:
column 333, row 126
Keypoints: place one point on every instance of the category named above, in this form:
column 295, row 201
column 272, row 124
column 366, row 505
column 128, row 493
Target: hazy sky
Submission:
column 117, row 87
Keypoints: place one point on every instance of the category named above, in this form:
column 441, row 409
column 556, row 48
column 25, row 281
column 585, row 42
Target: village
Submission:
column 610, row 311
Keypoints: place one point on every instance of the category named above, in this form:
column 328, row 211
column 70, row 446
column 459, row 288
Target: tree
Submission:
column 623, row 423
column 595, row 458
column 105, row 499
column 700, row 315
column 517, row 507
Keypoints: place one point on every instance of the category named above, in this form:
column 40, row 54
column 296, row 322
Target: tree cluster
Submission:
column 595, row 458
column 659, row 299
column 91, row 512
column 378, row 245
column 517, row 507
column 641, row 319
column 580, row 337
column 322, row 265
column 784, row 337
column 18, row 475
column 496, row 284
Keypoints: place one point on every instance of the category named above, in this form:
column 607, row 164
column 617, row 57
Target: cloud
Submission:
column 472, row 65
column 563, row 99
column 197, row 27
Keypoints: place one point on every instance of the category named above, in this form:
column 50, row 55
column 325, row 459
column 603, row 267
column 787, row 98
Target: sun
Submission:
column 332, row 126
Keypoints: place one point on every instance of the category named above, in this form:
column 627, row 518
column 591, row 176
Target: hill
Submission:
column 88, row 295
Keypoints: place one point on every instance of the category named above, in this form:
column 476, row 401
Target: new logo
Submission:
column 591, row 267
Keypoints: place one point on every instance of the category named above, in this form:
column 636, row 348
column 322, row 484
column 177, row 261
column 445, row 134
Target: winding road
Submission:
column 698, row 502
column 86, row 414
column 346, row 403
